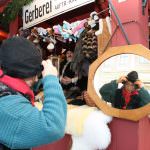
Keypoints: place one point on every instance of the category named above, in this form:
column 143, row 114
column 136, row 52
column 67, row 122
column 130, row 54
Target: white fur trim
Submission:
column 50, row 46
column 79, row 143
column 108, row 20
column 96, row 134
column 96, row 131
column 100, row 28
column 76, row 119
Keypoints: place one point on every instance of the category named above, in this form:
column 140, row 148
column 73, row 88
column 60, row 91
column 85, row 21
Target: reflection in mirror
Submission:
column 123, row 81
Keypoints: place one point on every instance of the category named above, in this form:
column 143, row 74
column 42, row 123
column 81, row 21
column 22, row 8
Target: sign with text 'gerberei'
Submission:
column 41, row 10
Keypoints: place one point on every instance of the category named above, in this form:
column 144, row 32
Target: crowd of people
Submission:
column 23, row 126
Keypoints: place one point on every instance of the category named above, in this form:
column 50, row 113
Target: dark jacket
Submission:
column 68, row 73
column 119, row 101
column 112, row 94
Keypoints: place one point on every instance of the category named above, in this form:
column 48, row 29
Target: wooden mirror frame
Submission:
column 135, row 114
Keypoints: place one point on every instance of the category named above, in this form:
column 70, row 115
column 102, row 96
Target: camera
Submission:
column 124, row 82
column 136, row 86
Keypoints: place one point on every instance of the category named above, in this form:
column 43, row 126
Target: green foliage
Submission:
column 11, row 11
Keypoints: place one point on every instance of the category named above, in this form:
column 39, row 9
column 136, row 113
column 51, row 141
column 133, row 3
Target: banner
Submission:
column 42, row 10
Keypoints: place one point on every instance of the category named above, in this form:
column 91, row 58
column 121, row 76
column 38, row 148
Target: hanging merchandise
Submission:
column 70, row 31
column 85, row 31
column 89, row 45
column 93, row 19
column 45, row 35
column 34, row 37
column 58, row 29
column 103, row 34
column 77, row 30
column 85, row 50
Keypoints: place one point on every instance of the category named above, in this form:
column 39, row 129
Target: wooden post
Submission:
column 103, row 38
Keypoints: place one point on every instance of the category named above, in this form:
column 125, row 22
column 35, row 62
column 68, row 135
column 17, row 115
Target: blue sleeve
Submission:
column 42, row 127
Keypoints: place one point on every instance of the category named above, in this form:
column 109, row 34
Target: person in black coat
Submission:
column 68, row 78
column 131, row 95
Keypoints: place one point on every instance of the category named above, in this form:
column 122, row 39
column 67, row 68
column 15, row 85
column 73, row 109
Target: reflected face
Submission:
column 69, row 55
column 129, row 86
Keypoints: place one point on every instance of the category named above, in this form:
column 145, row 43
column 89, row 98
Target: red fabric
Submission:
column 3, row 4
column 129, row 135
column 127, row 96
column 18, row 85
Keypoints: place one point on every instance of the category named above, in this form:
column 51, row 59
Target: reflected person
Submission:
column 131, row 95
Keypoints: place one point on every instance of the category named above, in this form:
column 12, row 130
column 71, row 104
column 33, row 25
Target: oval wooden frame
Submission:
column 133, row 115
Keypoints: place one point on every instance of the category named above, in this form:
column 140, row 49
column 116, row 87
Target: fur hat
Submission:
column 132, row 76
column 20, row 58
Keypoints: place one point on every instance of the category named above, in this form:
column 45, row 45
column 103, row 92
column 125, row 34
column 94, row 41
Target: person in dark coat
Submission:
column 131, row 95
column 68, row 78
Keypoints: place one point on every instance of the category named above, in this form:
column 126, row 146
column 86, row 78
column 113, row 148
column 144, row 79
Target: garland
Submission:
column 11, row 11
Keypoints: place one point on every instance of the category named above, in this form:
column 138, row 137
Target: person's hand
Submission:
column 88, row 100
column 139, row 84
column 64, row 81
column 49, row 69
column 68, row 80
column 122, row 79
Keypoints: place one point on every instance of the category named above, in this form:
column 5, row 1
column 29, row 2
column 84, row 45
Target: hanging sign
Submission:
column 41, row 10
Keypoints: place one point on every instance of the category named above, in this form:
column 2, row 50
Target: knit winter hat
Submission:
column 132, row 76
column 20, row 58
